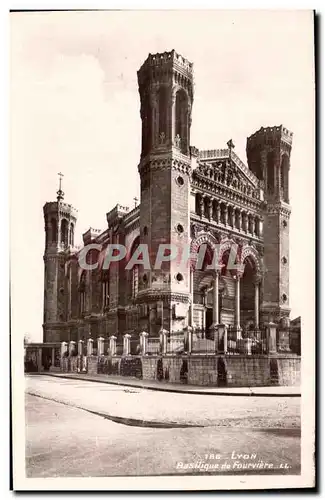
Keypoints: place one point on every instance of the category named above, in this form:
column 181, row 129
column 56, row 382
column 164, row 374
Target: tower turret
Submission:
column 60, row 219
column 268, row 155
column 166, row 93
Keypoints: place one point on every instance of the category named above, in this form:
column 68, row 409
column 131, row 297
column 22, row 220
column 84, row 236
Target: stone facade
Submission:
column 191, row 198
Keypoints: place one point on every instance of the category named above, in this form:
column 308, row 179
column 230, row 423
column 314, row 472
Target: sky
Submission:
column 75, row 109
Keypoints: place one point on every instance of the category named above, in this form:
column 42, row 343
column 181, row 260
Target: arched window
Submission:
column 247, row 293
column 163, row 100
column 82, row 293
column 54, row 231
column 71, row 235
column 198, row 204
column 223, row 213
column 146, row 116
column 64, row 232
column 133, row 274
column 237, row 219
column 270, row 172
column 105, row 289
column 206, row 207
column 284, row 181
column 181, row 125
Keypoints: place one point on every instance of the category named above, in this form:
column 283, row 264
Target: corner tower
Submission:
column 268, row 155
column 60, row 220
column 166, row 94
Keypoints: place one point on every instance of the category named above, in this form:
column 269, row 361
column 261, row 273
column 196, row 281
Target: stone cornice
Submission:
column 159, row 295
column 212, row 226
column 278, row 208
column 165, row 161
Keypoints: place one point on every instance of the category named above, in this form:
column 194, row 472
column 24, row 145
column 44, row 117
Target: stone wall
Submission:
column 203, row 370
column 92, row 365
column 247, row 371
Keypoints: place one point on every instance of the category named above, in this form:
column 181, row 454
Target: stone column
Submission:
column 126, row 344
column 257, row 302
column 112, row 345
column 216, row 299
column 64, row 348
column 100, row 346
column 237, row 305
column 53, row 356
column 191, row 296
column 271, row 338
column 204, row 311
column 72, row 347
column 210, row 207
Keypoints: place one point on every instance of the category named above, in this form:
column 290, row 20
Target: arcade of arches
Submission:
column 225, row 295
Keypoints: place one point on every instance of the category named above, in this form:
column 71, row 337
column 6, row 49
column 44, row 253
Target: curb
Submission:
column 176, row 390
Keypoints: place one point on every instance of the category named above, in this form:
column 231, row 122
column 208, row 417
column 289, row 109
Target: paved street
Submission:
column 81, row 428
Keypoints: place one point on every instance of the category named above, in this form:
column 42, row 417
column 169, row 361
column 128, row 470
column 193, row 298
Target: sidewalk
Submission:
column 271, row 391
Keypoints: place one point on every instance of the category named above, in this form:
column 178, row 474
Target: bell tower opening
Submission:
column 181, row 121
column 270, row 172
column 284, row 178
column 163, row 108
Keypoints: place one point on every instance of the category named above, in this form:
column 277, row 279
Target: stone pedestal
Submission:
column 188, row 333
column 163, row 340
column 39, row 360
column 271, row 338
column 112, row 345
column 80, row 347
column 284, row 341
column 52, row 356
column 143, row 342
column 64, row 349
column 220, row 338
column 72, row 348
column 90, row 347
column 126, row 345
column 100, row 346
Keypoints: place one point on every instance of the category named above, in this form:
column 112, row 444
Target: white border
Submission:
column 130, row 483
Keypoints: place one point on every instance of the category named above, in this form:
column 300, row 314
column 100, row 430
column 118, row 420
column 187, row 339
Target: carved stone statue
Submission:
column 178, row 141
column 162, row 138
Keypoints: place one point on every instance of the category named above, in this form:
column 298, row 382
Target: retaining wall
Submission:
column 204, row 370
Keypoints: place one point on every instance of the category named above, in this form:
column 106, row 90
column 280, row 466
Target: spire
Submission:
column 60, row 193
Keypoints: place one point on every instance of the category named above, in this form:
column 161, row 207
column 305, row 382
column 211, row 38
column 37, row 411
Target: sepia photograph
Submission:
column 162, row 168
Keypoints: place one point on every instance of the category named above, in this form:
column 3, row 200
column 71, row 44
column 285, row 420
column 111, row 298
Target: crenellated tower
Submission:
column 60, row 221
column 268, row 155
column 166, row 94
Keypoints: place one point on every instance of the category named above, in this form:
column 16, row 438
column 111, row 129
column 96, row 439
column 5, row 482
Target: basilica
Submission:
column 189, row 198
